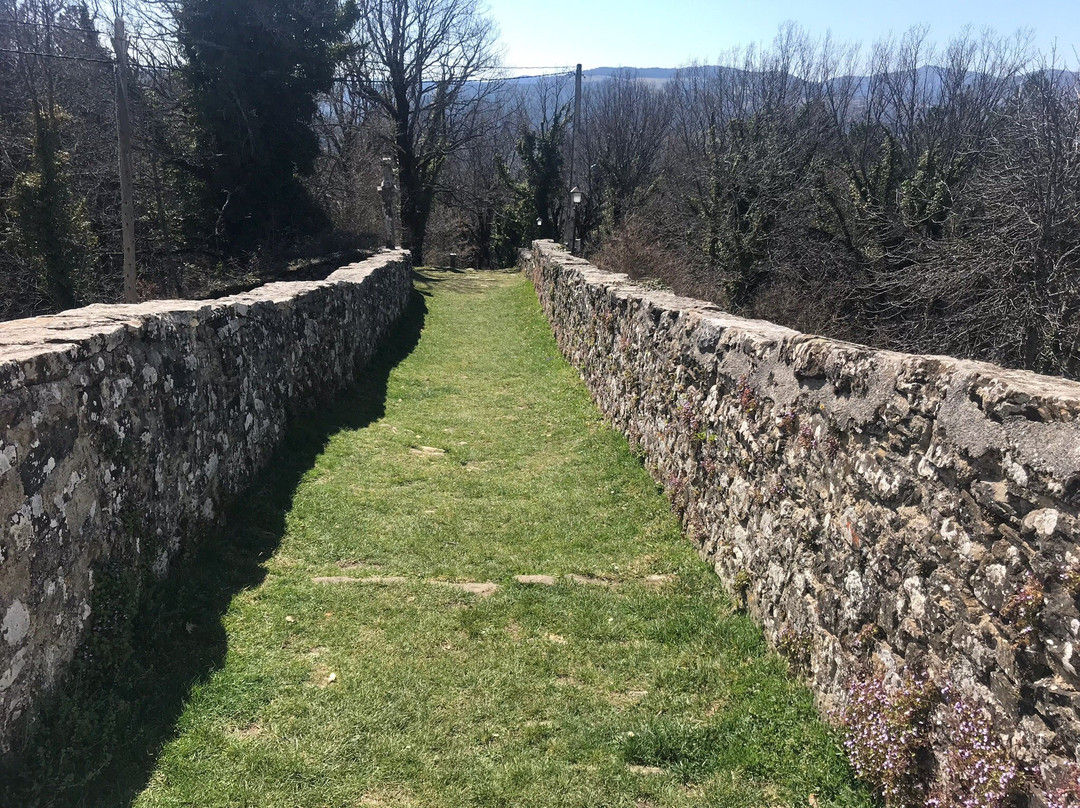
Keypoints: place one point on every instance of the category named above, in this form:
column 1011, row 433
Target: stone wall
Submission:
column 123, row 429
column 880, row 514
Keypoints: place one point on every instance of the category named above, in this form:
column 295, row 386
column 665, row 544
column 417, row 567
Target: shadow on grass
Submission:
column 454, row 280
column 96, row 740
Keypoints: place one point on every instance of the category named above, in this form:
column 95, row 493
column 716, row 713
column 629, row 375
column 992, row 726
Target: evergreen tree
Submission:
column 536, row 210
column 254, row 69
column 50, row 226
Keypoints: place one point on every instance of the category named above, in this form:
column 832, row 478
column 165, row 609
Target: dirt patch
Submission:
column 322, row 677
column 659, row 580
column 353, row 564
column 371, row 579
column 481, row 588
column 252, row 730
column 588, row 580
column 540, row 580
column 426, row 451
column 645, row 769
column 627, row 698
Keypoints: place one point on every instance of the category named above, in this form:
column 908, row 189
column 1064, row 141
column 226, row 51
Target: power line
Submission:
column 563, row 69
column 165, row 67
column 170, row 39
column 58, row 56
column 537, row 76
column 84, row 59
column 53, row 26
column 95, row 31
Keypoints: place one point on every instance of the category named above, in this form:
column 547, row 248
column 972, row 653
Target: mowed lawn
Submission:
column 356, row 675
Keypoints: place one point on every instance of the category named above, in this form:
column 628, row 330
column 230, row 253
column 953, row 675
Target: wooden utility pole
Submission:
column 123, row 131
column 571, row 220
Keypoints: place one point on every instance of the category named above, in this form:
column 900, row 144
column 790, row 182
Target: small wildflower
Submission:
column 747, row 399
column 779, row 490
column 788, row 422
column 1024, row 609
column 1070, row 577
column 1063, row 788
column 977, row 771
column 886, row 731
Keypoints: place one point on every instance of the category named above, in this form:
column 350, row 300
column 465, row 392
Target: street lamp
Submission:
column 575, row 198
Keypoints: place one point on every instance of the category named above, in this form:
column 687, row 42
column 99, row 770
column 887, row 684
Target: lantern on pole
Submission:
column 576, row 198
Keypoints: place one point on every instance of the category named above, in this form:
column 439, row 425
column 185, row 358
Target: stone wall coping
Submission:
column 75, row 333
column 621, row 284
column 1037, row 416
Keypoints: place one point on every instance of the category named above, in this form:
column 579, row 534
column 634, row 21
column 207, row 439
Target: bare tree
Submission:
column 932, row 195
column 476, row 189
column 428, row 64
column 626, row 123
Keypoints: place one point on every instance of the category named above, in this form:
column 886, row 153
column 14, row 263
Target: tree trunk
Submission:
column 415, row 211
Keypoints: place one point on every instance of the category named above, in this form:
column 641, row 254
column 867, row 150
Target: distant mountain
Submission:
column 928, row 76
column 664, row 73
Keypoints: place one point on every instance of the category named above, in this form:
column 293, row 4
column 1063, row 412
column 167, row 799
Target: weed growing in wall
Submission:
column 888, row 731
column 741, row 586
column 1063, row 788
column 788, row 422
column 747, row 398
column 864, row 641
column 977, row 771
column 1024, row 609
column 1070, row 578
column 778, row 490
column 688, row 416
column 795, row 646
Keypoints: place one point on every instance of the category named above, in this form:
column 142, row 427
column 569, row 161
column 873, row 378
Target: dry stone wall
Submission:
column 124, row 428
column 881, row 514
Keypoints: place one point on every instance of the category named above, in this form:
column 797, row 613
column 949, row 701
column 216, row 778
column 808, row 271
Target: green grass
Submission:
column 254, row 685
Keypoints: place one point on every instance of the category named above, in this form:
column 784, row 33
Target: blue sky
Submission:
column 669, row 33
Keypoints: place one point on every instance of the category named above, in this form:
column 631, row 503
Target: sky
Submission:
column 671, row 33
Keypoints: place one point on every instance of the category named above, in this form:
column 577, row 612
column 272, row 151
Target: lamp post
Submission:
column 388, row 190
column 575, row 199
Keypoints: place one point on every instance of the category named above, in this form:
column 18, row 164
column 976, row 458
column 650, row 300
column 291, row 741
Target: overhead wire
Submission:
column 58, row 56
column 52, row 26
column 558, row 69
column 561, row 70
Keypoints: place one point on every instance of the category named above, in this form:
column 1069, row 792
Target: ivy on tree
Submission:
column 254, row 69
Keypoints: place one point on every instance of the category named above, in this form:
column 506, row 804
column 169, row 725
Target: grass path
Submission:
column 633, row 685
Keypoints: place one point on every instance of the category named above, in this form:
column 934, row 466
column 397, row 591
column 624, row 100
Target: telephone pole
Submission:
column 123, row 132
column 571, row 220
